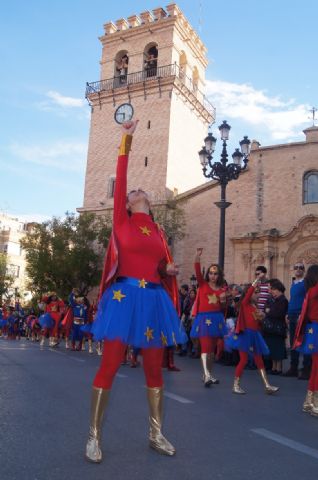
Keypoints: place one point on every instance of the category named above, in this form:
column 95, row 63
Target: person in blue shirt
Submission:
column 79, row 308
column 297, row 296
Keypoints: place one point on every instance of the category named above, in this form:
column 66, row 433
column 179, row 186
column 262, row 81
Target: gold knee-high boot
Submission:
column 236, row 386
column 314, row 409
column 99, row 401
column 308, row 403
column 210, row 361
column 207, row 380
column 270, row 389
column 156, row 440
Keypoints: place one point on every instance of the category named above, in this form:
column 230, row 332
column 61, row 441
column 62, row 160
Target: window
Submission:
column 13, row 270
column 121, row 68
column 151, row 60
column 111, row 187
column 310, row 187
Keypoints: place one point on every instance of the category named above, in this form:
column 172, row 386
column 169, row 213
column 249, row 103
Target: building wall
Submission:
column 267, row 221
column 11, row 232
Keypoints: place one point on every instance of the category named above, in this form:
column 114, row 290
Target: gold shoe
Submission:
column 308, row 403
column 236, row 387
column 90, row 346
column 42, row 341
column 99, row 401
column 269, row 389
column 314, row 409
column 156, row 440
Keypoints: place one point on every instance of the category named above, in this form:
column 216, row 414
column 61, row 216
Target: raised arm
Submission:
column 120, row 194
column 197, row 266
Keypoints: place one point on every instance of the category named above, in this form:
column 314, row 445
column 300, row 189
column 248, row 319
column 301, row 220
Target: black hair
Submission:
column 311, row 277
column 185, row 287
column 277, row 285
column 220, row 280
column 261, row 268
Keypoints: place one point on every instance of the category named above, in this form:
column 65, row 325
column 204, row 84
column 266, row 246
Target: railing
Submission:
column 147, row 75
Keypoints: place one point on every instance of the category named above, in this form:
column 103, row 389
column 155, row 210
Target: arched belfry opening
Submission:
column 151, row 59
column 121, row 66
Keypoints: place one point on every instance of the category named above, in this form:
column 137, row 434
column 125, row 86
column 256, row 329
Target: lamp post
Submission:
column 193, row 281
column 223, row 171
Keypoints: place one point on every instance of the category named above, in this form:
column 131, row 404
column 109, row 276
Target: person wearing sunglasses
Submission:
column 297, row 296
column 137, row 304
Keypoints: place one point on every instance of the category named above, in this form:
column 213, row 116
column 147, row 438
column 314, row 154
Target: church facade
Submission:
column 156, row 62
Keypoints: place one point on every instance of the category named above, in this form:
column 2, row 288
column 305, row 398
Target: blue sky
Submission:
column 262, row 77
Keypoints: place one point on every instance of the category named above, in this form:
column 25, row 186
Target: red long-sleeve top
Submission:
column 249, row 311
column 140, row 248
column 55, row 308
column 312, row 306
column 208, row 298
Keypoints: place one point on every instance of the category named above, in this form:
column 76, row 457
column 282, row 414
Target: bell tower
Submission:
column 156, row 62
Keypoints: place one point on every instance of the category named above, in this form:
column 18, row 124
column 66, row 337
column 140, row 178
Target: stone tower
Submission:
column 156, row 62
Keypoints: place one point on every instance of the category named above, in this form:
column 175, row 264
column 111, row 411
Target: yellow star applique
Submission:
column 235, row 337
column 145, row 230
column 212, row 299
column 220, row 326
column 251, row 349
column 208, row 322
column 311, row 346
column 149, row 334
column 163, row 339
column 174, row 338
column 118, row 295
column 311, row 330
column 142, row 283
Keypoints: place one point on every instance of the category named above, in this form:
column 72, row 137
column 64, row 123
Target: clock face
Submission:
column 124, row 113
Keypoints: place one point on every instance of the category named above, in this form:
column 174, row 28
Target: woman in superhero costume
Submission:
column 209, row 324
column 134, row 305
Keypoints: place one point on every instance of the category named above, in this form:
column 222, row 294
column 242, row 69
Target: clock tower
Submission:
column 155, row 62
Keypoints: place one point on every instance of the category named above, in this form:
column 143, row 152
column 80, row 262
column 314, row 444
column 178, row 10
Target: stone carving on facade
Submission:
column 246, row 258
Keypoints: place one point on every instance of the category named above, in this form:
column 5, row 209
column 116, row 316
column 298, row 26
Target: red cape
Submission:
column 301, row 324
column 68, row 318
column 111, row 265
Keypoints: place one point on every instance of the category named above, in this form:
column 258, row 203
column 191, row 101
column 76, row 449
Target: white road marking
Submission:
column 287, row 442
column 121, row 375
column 177, row 397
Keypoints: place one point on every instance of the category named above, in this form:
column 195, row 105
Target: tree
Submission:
column 6, row 280
column 65, row 253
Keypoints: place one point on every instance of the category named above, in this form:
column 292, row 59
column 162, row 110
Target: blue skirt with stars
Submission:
column 209, row 324
column 310, row 341
column 138, row 313
column 46, row 321
column 249, row 341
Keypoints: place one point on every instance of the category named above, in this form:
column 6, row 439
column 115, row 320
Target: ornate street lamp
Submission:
column 223, row 171
column 193, row 281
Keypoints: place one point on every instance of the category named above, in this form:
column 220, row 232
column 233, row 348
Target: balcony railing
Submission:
column 145, row 76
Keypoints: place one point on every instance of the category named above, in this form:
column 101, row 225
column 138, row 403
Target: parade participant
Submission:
column 248, row 340
column 296, row 300
column 55, row 307
column 80, row 311
column 306, row 337
column 209, row 324
column 134, row 307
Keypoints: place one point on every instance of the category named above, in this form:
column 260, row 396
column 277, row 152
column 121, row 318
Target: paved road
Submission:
column 44, row 409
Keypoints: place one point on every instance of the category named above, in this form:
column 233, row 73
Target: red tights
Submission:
column 243, row 361
column 208, row 344
column 113, row 354
column 313, row 380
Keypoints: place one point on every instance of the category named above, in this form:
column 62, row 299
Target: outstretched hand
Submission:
column 128, row 128
column 172, row 269
column 198, row 254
